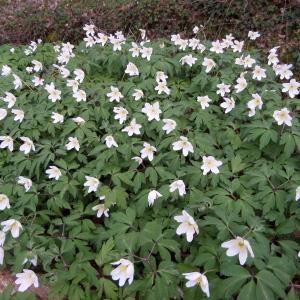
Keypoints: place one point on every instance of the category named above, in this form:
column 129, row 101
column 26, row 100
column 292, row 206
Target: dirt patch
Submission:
column 7, row 279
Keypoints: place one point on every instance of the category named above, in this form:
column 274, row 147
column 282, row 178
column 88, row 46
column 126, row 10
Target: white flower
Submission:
column 152, row 196
column 241, row 84
column 89, row 41
column 291, row 88
column 254, row 103
column 238, row 246
column 284, row 71
column 74, row 84
column 196, row 278
column 4, row 202
column 37, row 65
column 79, row 75
column 2, row 238
column 188, row 60
column 101, row 209
column 175, row 38
column 6, row 70
column 184, row 145
column 37, row 81
column 121, row 114
column 237, row 46
column 53, row 172
column 297, row 193
column 19, row 114
column 26, row 182
column 162, row 88
column 7, row 142
column 258, row 73
column 152, row 111
column 138, row 94
column 228, row 104
column 10, row 99
column 29, row 70
column 146, row 53
column 117, row 42
column 148, row 151
column 135, row 50
column 27, row 146
column 73, row 144
column 1, row 255
column 217, row 47
column 54, row 94
column 161, row 77
column 26, row 280
column 133, row 128
column 248, row 61
column 195, row 29
column 124, row 271
column 110, row 141
column 183, row 44
column 223, row 89
column 239, row 61
column 131, row 69
column 178, row 185
column 137, row 159
column 201, row 48
column 78, row 120
column 79, row 95
column 169, row 125
column 56, row 48
column 282, row 117
column 91, row 183
column 64, row 72
column 253, row 35
column 210, row 164
column 188, row 226
column 32, row 260
column 67, row 47
column 50, row 87
column 115, row 94
column 89, row 29
column 273, row 58
column 143, row 33
column 3, row 113
column 17, row 82
column 194, row 43
column 204, row 101
column 209, row 64
column 13, row 226
column 57, row 118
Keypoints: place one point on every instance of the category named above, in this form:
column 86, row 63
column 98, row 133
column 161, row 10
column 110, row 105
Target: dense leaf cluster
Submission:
column 252, row 196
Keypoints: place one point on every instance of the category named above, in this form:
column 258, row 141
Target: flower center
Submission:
column 241, row 244
column 282, row 115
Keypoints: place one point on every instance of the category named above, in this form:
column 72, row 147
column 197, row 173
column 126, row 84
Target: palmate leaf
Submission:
column 248, row 291
column 105, row 254
column 265, row 281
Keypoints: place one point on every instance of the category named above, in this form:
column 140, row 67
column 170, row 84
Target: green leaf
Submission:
column 233, row 270
column 263, row 291
column 110, row 289
column 237, row 165
column 271, row 281
column 248, row 291
column 104, row 255
column 153, row 230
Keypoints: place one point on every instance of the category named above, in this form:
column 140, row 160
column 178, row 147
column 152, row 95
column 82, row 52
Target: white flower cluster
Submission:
column 74, row 80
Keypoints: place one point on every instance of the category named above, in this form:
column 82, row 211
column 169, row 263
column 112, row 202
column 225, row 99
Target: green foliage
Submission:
column 253, row 195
